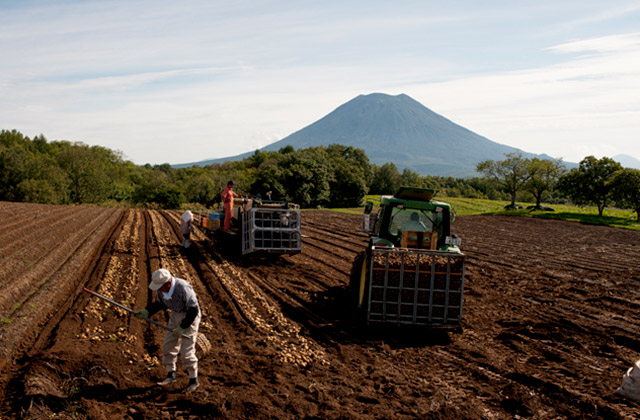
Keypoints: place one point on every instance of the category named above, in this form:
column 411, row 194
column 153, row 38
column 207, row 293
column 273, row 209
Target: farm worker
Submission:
column 227, row 198
column 186, row 227
column 178, row 296
column 414, row 224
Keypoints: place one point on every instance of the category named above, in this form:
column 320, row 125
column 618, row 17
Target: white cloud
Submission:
column 165, row 82
column 585, row 105
column 611, row 43
column 611, row 12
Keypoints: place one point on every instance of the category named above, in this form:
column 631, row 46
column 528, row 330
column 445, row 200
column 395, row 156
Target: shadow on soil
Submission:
column 344, row 323
column 233, row 254
column 330, row 316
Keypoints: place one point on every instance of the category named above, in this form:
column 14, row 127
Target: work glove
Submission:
column 142, row 314
column 177, row 331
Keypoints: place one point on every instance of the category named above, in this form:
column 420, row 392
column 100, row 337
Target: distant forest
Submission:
column 62, row 172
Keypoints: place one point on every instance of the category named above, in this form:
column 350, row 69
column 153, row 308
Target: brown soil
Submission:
column 549, row 323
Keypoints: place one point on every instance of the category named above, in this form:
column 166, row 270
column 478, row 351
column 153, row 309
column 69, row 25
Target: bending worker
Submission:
column 178, row 296
column 227, row 198
column 186, row 227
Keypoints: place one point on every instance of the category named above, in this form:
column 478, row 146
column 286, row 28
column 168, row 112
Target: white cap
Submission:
column 159, row 278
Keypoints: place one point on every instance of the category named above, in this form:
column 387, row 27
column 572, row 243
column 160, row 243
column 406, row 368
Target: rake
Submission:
column 201, row 341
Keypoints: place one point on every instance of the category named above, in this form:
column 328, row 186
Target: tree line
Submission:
column 598, row 182
column 64, row 172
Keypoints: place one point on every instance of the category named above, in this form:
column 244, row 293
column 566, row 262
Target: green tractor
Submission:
column 412, row 271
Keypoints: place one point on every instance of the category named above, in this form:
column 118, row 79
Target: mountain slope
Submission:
column 398, row 129
column 627, row 161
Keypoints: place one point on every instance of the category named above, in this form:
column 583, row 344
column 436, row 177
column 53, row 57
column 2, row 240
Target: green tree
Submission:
column 201, row 189
column 27, row 174
column 452, row 187
column 286, row 150
column 351, row 172
column 626, row 189
column 257, row 159
column 410, row 178
column 45, row 183
column 13, row 170
column 591, row 182
column 544, row 175
column 87, row 172
column 306, row 175
column 269, row 177
column 14, row 153
column 154, row 187
column 511, row 173
column 12, row 138
column 385, row 179
column 163, row 167
column 169, row 197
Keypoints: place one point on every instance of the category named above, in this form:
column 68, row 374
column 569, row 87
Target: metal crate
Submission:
column 271, row 230
column 417, row 287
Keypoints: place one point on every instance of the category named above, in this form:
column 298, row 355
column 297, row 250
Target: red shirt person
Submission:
column 227, row 199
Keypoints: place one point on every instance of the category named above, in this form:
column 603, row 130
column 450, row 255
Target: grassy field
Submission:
column 469, row 206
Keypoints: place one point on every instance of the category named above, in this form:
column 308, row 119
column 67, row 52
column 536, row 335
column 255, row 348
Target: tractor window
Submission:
column 396, row 221
column 414, row 220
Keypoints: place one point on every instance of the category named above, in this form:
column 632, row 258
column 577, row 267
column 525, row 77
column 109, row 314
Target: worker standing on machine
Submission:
column 227, row 199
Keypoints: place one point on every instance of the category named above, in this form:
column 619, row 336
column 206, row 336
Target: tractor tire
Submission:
column 359, row 309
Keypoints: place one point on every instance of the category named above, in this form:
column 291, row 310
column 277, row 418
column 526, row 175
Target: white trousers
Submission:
column 183, row 346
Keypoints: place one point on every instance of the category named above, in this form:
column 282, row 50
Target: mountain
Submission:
column 627, row 161
column 397, row 129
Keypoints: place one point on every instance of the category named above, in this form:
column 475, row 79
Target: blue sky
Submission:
column 166, row 81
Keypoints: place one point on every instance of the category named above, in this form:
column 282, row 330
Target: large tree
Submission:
column 28, row 171
column 385, row 179
column 591, row 182
column 410, row 178
column 95, row 174
column 512, row 173
column 45, row 182
column 268, row 181
column 305, row 176
column 351, row 173
column 155, row 188
column 544, row 175
column 626, row 189
column 201, row 189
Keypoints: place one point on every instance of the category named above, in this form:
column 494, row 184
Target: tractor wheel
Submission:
column 358, row 270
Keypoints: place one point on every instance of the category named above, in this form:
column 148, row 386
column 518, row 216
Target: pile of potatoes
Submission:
column 410, row 260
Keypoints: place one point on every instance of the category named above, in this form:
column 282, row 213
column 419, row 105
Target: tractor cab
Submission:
column 410, row 219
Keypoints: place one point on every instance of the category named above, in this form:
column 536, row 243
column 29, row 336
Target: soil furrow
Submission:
column 548, row 328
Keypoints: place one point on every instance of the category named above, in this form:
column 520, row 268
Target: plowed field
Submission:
column 551, row 323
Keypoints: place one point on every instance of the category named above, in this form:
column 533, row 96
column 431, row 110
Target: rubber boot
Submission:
column 171, row 378
column 193, row 384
